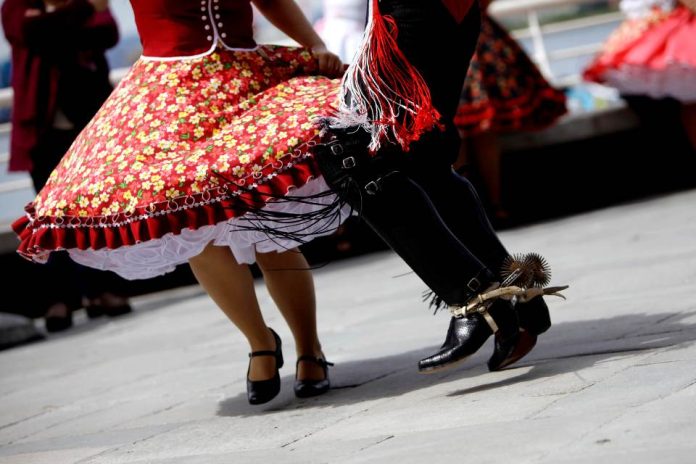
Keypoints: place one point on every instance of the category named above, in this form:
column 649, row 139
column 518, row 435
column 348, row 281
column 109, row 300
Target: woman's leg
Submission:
column 290, row 283
column 486, row 151
column 231, row 286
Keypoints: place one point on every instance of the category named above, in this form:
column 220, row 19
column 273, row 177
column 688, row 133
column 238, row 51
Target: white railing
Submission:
column 6, row 98
column 501, row 8
column 15, row 185
column 537, row 32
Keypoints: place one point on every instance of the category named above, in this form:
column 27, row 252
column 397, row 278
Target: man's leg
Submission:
column 401, row 212
column 458, row 204
column 421, row 38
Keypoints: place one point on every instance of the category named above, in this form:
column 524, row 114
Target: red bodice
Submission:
column 186, row 28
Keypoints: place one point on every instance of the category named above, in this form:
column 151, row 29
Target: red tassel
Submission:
column 383, row 92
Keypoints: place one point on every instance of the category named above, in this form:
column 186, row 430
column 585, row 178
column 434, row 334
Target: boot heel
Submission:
column 534, row 315
column 534, row 320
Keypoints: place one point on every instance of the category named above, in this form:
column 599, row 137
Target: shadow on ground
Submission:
column 570, row 346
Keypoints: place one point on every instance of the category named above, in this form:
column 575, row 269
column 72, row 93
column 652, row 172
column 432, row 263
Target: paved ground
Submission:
column 614, row 381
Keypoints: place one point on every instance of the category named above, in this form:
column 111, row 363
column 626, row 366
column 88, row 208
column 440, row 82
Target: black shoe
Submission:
column 534, row 315
column 55, row 323
column 94, row 311
column 97, row 310
column 466, row 334
column 534, row 320
column 309, row 388
column 263, row 391
column 107, row 304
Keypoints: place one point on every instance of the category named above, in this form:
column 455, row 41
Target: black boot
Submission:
column 534, row 315
column 534, row 320
column 468, row 333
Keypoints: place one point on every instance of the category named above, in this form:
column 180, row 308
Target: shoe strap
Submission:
column 254, row 354
column 309, row 358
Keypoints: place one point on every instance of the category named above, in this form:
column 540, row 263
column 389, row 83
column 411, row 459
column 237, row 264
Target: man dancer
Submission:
column 386, row 157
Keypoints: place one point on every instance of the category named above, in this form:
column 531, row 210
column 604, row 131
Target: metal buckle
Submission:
column 337, row 149
column 372, row 187
column 349, row 163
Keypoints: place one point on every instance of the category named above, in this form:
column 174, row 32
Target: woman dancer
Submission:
column 195, row 142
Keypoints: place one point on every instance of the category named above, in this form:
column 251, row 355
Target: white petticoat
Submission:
column 159, row 256
column 675, row 81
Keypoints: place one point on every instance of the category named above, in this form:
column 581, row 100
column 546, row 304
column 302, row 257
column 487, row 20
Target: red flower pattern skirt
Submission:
column 504, row 91
column 179, row 153
column 653, row 55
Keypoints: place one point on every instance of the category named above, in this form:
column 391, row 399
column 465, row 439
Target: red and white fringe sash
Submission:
column 382, row 92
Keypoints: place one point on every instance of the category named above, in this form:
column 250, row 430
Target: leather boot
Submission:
column 468, row 333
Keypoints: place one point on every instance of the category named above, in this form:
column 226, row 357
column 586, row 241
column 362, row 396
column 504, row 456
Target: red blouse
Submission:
column 188, row 28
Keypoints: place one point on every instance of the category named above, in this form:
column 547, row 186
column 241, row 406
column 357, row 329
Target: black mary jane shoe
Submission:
column 263, row 391
column 58, row 323
column 310, row 388
column 97, row 310
column 107, row 304
column 534, row 320
column 466, row 334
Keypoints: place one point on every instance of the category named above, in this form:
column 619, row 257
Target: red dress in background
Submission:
column 504, row 91
column 652, row 53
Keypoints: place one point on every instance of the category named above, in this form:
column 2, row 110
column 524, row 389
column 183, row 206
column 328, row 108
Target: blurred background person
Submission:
column 503, row 92
column 342, row 26
column 653, row 54
column 60, row 78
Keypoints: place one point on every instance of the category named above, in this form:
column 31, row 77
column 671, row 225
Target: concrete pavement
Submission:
column 613, row 381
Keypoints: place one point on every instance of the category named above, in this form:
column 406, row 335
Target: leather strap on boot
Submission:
column 483, row 301
column 343, row 158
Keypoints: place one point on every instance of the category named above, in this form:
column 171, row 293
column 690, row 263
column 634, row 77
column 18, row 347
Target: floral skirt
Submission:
column 504, row 91
column 181, row 155
column 653, row 55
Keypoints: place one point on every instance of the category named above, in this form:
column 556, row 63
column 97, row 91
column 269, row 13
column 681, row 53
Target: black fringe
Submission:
column 298, row 227
column 434, row 301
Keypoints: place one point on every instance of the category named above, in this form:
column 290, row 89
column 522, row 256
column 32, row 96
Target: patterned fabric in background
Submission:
column 504, row 90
